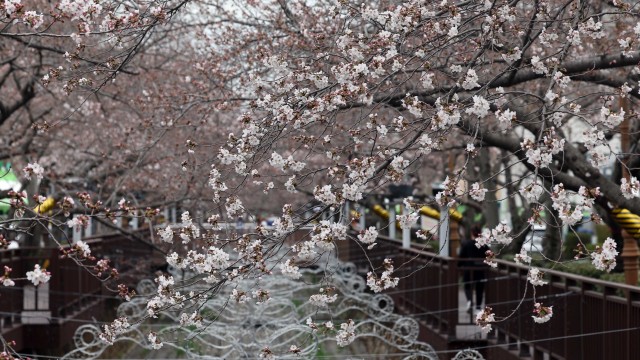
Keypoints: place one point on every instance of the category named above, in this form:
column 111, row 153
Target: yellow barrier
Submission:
column 47, row 205
column 380, row 211
column 435, row 214
column 383, row 213
column 628, row 221
column 425, row 210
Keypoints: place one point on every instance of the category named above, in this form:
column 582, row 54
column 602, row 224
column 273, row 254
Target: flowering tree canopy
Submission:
column 228, row 106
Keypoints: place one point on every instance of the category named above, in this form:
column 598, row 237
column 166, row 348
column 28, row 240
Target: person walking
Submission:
column 474, row 274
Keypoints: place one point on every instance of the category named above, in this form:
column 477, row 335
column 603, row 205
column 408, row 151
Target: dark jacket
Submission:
column 469, row 250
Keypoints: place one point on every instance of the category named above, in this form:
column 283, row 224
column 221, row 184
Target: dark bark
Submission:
column 490, row 205
column 552, row 241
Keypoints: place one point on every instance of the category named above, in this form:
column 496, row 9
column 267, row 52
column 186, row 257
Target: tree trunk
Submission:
column 552, row 241
column 487, row 173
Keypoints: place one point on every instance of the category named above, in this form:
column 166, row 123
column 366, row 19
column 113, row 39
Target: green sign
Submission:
column 8, row 181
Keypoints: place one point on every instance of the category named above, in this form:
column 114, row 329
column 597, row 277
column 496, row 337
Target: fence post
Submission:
column 88, row 231
column 347, row 213
column 406, row 232
column 77, row 233
column 630, row 253
column 454, row 238
column 174, row 214
column 392, row 222
column 444, row 232
column 452, row 297
column 166, row 214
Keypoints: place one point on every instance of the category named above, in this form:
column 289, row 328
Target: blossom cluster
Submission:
column 111, row 331
column 540, row 154
column 386, row 281
column 283, row 164
column 289, row 270
column 14, row 9
column 191, row 319
column 166, row 234
column 535, row 277
column 326, row 233
column 542, row 314
column 323, row 298
column 532, row 192
column 501, row 234
column 325, row 195
column 82, row 249
column 209, row 262
column 359, row 172
column 569, row 213
column 284, row 224
column 630, row 188
column 476, row 192
column 522, row 257
column 408, row 220
column 484, row 319
column 154, row 341
column 604, row 258
column 261, row 295
column 33, row 170
column 369, row 236
column 346, row 334
column 78, row 222
column 234, row 207
column 38, row 276
column 166, row 297
column 446, row 197
column 188, row 231
column 216, row 184
column 6, row 278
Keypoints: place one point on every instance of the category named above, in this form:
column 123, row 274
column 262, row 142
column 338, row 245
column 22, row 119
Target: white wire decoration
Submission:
column 243, row 330
column 468, row 354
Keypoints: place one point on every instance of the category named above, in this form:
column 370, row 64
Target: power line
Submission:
column 410, row 315
column 545, row 339
column 456, row 284
column 19, row 288
column 93, row 322
column 387, row 355
column 497, row 303
column 387, row 293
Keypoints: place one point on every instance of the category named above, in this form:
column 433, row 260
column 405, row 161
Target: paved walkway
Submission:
column 467, row 328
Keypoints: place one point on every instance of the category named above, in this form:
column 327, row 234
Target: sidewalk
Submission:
column 467, row 328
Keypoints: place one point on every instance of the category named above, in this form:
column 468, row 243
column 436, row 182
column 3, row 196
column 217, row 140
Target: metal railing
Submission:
column 73, row 292
column 592, row 319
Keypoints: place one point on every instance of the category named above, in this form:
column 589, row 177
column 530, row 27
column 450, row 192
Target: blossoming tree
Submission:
column 335, row 100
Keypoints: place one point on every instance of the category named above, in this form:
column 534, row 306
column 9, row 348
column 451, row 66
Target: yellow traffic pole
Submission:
column 47, row 205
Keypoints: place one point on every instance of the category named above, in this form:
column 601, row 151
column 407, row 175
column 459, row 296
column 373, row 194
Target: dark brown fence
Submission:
column 73, row 293
column 592, row 319
column 428, row 289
